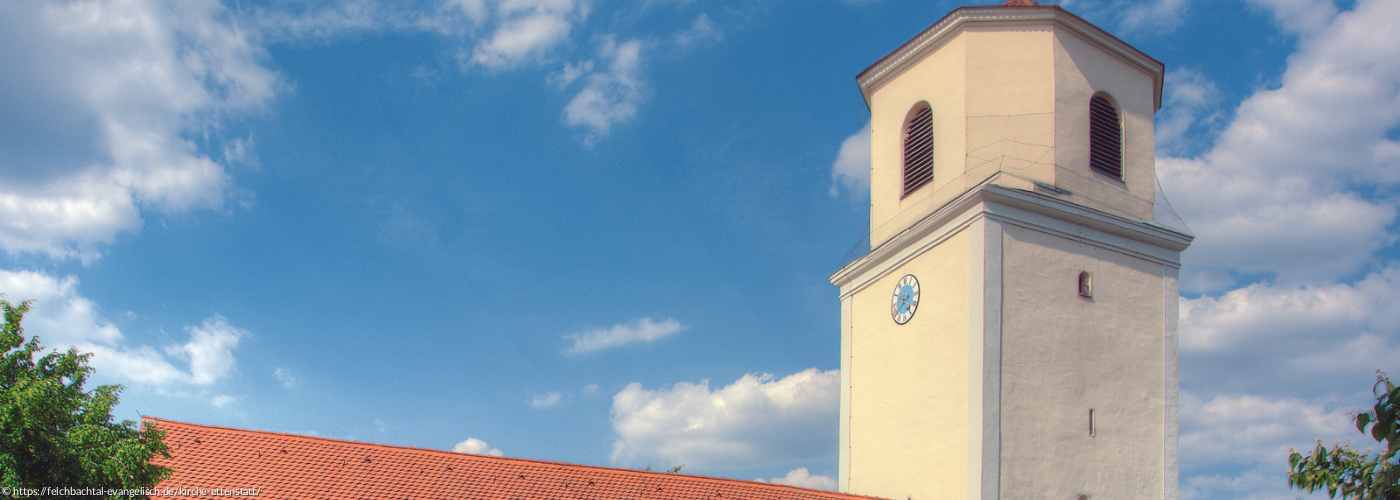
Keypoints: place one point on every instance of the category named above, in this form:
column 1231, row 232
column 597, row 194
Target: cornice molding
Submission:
column 1021, row 208
column 877, row 74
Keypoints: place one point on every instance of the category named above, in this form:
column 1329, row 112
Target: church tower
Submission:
column 1013, row 331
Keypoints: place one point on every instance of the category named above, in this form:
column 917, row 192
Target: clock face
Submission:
column 905, row 300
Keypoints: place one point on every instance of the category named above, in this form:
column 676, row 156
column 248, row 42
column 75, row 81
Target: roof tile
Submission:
column 292, row 466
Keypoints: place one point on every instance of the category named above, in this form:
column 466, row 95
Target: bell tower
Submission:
column 1013, row 331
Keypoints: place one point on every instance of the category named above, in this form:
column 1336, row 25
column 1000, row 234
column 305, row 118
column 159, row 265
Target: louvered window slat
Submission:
column 918, row 149
column 1105, row 138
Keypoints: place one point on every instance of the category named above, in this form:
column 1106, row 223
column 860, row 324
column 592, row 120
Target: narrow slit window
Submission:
column 1086, row 284
column 918, row 148
column 1105, row 137
column 1092, row 430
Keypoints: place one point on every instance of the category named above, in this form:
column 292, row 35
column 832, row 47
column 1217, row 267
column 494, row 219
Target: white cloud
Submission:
column 300, row 21
column 117, row 108
column 1319, row 342
column 1244, row 318
column 1267, row 482
column 1188, row 96
column 103, row 101
column 1287, row 192
column 519, row 38
column 500, row 34
column 610, row 96
column 1230, row 432
column 1270, row 367
column 140, row 364
column 1300, row 16
column 1277, row 194
column 223, row 400
column 800, row 477
column 210, row 349
column 61, row 317
column 525, row 29
column 571, row 73
column 647, row 4
column 495, row 27
column 701, row 32
column 476, row 10
column 756, row 420
column 506, row 34
column 546, row 400
column 642, row 330
column 285, row 377
column 1154, row 15
column 852, row 167
column 590, row 389
column 1247, row 429
column 476, row 446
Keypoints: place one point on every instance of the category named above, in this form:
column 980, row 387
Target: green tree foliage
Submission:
column 55, row 434
column 673, row 470
column 1354, row 474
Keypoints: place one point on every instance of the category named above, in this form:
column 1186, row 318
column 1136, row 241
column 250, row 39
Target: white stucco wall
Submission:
column 1081, row 70
column 1063, row 355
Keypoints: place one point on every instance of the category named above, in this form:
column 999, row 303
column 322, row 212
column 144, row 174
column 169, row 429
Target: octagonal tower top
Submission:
column 1021, row 95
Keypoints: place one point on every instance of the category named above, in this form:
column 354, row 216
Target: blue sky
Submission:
column 566, row 229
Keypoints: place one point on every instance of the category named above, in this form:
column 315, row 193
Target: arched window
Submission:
column 1086, row 284
column 918, row 147
column 1105, row 137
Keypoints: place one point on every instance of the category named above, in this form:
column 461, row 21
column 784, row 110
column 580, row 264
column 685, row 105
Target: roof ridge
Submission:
column 656, row 474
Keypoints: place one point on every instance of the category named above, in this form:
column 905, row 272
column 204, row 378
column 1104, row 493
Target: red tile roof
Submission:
column 274, row 466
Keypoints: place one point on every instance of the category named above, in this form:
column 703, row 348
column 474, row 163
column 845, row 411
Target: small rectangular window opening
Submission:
column 1086, row 285
column 1091, row 422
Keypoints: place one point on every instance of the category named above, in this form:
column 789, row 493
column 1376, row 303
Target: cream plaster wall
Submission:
column 939, row 79
column 1009, row 69
column 984, row 70
column 1063, row 355
column 1010, row 74
column 908, row 394
column 843, row 466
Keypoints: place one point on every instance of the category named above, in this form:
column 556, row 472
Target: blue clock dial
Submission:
column 905, row 300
